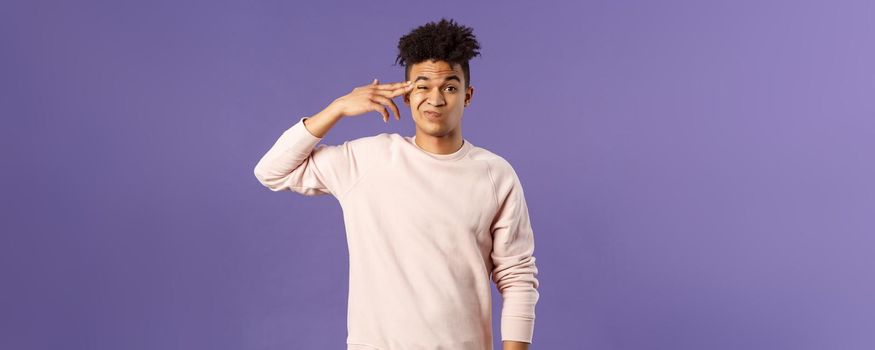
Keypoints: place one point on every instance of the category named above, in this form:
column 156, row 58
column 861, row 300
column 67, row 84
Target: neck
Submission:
column 449, row 143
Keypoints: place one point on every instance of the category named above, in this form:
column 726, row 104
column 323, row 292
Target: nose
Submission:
column 435, row 98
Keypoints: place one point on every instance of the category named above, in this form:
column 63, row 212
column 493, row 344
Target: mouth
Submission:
column 432, row 115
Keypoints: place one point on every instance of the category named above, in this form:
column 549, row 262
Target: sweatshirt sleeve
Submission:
column 514, row 270
column 295, row 163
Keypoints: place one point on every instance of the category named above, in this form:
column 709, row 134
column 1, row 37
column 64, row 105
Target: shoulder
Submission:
column 373, row 149
column 379, row 139
column 499, row 167
column 505, row 180
column 369, row 144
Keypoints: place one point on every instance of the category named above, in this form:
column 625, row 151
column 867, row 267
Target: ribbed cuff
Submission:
column 517, row 329
column 298, row 137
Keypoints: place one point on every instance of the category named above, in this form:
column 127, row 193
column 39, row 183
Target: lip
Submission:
column 431, row 115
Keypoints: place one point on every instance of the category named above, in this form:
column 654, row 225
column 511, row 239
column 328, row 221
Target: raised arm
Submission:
column 296, row 163
column 293, row 162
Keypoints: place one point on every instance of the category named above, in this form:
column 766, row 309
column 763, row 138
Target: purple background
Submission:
column 699, row 175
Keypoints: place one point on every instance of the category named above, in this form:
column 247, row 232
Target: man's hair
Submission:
column 443, row 41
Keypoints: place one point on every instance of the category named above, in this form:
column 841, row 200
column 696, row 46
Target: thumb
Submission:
column 375, row 81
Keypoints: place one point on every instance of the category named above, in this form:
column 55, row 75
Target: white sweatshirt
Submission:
column 425, row 233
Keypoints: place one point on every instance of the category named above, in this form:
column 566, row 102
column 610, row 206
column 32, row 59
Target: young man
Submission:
column 430, row 218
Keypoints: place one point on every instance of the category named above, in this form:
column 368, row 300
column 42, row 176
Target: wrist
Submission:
column 514, row 345
column 332, row 112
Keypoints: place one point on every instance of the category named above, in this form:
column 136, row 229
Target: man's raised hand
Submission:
column 372, row 97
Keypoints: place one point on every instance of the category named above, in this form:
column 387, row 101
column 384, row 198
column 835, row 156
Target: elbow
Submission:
column 521, row 276
column 296, row 181
column 260, row 175
column 266, row 179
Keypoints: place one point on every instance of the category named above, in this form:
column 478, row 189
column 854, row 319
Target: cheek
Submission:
column 416, row 98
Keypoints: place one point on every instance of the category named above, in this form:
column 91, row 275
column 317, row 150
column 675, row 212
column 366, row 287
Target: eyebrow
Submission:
column 452, row 77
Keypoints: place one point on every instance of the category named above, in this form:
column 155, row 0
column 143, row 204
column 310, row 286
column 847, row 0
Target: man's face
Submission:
column 437, row 87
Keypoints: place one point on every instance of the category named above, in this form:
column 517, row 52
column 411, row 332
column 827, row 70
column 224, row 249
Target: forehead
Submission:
column 435, row 70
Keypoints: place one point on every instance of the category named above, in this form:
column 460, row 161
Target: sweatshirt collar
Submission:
column 466, row 146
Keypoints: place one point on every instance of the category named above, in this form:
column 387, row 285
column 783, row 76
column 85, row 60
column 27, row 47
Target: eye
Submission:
column 421, row 87
column 451, row 87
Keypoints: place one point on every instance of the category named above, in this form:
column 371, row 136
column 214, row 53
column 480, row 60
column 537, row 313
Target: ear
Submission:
column 469, row 95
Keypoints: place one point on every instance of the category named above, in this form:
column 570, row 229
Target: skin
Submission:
column 363, row 99
column 440, row 87
column 515, row 345
column 430, row 88
column 437, row 87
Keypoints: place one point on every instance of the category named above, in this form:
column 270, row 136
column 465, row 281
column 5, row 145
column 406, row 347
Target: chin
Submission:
column 436, row 131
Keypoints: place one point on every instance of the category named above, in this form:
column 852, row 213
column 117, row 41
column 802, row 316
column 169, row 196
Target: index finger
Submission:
column 391, row 93
column 392, row 86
